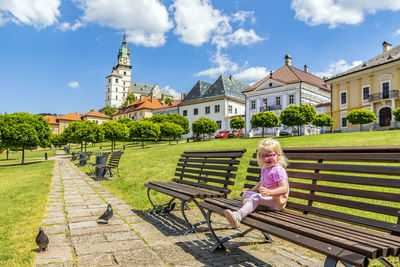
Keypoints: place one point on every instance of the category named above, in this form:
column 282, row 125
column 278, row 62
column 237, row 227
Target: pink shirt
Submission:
column 270, row 177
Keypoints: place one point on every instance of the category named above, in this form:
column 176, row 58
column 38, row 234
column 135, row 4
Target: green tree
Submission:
column 24, row 131
column 321, row 120
column 158, row 118
column 59, row 140
column 297, row 116
column 168, row 100
column 131, row 98
column 204, row 126
column 238, row 123
column 265, row 120
column 90, row 132
column 396, row 114
column 361, row 116
column 72, row 133
column 108, row 110
column 114, row 131
column 124, row 120
column 144, row 130
column 180, row 120
column 170, row 129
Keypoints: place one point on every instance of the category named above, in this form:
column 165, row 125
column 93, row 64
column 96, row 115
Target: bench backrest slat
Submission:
column 357, row 185
column 209, row 169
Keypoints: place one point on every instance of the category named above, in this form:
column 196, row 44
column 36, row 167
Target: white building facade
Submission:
column 218, row 102
column 285, row 87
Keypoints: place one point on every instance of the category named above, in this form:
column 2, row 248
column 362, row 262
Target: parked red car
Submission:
column 222, row 134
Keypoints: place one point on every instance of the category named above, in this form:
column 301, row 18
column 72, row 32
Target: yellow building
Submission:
column 139, row 109
column 95, row 116
column 372, row 85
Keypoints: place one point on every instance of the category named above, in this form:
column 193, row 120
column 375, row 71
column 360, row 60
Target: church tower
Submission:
column 119, row 81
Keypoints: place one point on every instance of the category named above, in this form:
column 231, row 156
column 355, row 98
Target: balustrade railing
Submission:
column 386, row 95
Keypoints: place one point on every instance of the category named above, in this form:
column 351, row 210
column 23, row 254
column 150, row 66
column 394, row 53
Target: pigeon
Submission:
column 42, row 240
column 107, row 214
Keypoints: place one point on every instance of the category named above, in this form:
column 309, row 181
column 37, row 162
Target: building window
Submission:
column 265, row 101
column 291, row 99
column 108, row 97
column 230, row 108
column 116, row 80
column 253, row 104
column 65, row 125
column 141, row 113
column 124, row 83
column 385, row 90
column 207, row 110
column 219, row 124
column 343, row 99
column 108, row 89
column 109, row 80
column 235, row 110
column 116, row 89
column 344, row 122
column 216, row 108
column 278, row 101
column 116, row 97
column 124, row 72
column 195, row 111
column 365, row 93
column 185, row 112
column 53, row 129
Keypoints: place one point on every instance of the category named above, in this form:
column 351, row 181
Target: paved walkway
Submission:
column 135, row 238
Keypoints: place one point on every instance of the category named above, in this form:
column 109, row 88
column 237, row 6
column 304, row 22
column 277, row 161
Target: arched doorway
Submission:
column 385, row 116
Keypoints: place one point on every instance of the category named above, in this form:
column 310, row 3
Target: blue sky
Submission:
column 55, row 55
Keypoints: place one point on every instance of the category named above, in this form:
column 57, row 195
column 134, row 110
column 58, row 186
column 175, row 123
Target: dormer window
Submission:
column 270, row 84
column 116, row 80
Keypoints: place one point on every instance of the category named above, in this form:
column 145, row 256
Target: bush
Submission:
column 361, row 116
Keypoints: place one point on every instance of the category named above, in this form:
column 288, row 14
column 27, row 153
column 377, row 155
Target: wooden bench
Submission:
column 113, row 163
column 199, row 174
column 344, row 202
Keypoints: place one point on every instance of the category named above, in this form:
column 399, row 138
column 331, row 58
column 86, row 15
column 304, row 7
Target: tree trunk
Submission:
column 142, row 143
column 81, row 146
column 360, row 127
column 7, row 153
column 263, row 132
column 169, row 138
column 85, row 146
column 298, row 130
column 23, row 155
column 112, row 145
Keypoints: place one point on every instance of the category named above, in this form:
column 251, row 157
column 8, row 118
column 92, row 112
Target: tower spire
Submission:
column 124, row 40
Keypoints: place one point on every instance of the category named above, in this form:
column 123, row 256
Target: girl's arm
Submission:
column 254, row 189
column 283, row 188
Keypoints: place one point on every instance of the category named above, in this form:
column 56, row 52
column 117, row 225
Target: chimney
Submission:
column 305, row 68
column 183, row 96
column 163, row 98
column 386, row 46
column 141, row 98
column 230, row 77
column 288, row 60
column 152, row 97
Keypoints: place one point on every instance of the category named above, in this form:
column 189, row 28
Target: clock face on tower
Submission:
column 125, row 60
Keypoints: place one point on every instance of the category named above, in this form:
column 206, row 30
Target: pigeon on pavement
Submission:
column 107, row 214
column 42, row 240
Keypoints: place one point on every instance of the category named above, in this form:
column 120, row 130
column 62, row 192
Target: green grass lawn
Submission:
column 23, row 198
column 16, row 157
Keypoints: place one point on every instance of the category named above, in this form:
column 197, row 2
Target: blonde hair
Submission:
column 274, row 146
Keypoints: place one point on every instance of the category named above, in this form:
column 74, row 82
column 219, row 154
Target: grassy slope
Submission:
column 158, row 163
column 29, row 156
column 23, row 199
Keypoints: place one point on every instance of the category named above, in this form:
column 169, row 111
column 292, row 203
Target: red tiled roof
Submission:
column 145, row 103
column 171, row 105
column 323, row 105
column 95, row 113
column 51, row 119
column 288, row 75
column 71, row 117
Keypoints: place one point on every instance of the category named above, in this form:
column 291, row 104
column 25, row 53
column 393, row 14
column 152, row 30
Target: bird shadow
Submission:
column 102, row 223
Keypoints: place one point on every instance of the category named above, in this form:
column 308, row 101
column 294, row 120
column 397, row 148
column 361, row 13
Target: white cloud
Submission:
column 251, row 74
column 397, row 33
column 197, row 20
column 172, row 92
column 224, row 66
column 241, row 16
column 37, row 13
column 244, row 37
column 66, row 26
column 337, row 67
column 73, row 84
column 145, row 21
column 334, row 12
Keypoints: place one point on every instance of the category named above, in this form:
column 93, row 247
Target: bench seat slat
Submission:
column 203, row 178
column 213, row 155
column 359, row 205
column 243, row 150
column 215, row 188
column 218, row 174
column 169, row 192
column 187, row 190
column 371, row 223
column 208, row 167
column 213, row 161
column 386, row 182
column 322, row 247
column 348, row 191
column 199, row 190
column 343, row 149
column 389, row 170
column 355, row 157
